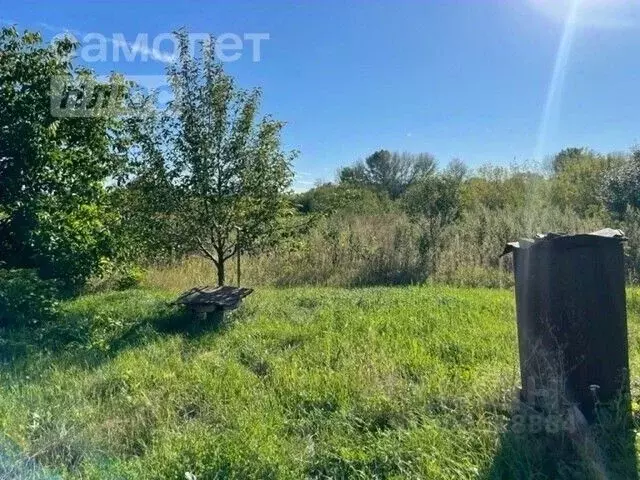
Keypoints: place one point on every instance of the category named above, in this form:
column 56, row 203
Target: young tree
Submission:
column 435, row 201
column 437, row 196
column 223, row 170
column 52, row 167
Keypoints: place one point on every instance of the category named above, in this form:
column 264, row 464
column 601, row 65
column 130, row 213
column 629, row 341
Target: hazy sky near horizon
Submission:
column 480, row 80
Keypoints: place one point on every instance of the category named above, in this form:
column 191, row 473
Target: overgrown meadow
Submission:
column 412, row 382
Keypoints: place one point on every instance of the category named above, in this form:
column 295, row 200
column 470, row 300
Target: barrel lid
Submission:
column 566, row 240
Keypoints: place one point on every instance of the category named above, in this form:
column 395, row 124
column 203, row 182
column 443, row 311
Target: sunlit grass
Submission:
column 308, row 382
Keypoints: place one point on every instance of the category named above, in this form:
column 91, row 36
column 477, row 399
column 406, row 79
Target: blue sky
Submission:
column 465, row 79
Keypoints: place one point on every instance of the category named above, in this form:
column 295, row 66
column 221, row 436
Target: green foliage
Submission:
column 389, row 172
column 448, row 227
column 52, row 168
column 71, row 243
column 569, row 156
column 435, row 202
column 130, row 278
column 216, row 174
column 621, row 188
column 344, row 198
column 149, row 230
column 578, row 180
column 435, row 196
column 26, row 300
column 146, row 231
column 500, row 188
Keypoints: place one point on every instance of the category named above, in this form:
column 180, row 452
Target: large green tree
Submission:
column 578, row 179
column 390, row 172
column 218, row 172
column 621, row 185
column 53, row 166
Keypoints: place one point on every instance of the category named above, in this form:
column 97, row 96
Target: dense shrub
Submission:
column 116, row 276
column 349, row 199
column 130, row 278
column 621, row 185
column 25, row 299
column 53, row 168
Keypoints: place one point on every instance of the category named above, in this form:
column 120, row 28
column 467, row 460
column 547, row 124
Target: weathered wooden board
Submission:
column 206, row 298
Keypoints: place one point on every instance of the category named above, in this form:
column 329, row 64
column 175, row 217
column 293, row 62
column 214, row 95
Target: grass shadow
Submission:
column 561, row 445
column 90, row 332
column 183, row 322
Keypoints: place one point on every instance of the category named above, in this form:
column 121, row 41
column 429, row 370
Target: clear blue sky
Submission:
column 467, row 79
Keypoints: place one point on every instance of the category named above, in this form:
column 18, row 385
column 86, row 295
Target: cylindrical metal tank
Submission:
column 571, row 314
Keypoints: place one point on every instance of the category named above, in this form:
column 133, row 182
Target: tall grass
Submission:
column 339, row 251
column 471, row 248
column 299, row 383
column 387, row 249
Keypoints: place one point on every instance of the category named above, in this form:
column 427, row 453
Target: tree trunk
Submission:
column 220, row 269
column 238, row 265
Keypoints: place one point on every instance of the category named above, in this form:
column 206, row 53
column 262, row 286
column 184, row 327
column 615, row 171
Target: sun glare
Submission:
column 554, row 91
column 593, row 13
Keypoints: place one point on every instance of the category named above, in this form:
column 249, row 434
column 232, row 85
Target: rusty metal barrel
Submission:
column 571, row 315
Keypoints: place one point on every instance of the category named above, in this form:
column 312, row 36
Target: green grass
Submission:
column 299, row 383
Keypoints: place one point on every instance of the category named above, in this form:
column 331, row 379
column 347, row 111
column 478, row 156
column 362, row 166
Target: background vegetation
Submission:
column 150, row 185
column 449, row 226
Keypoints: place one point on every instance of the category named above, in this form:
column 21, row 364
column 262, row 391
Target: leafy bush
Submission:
column 72, row 245
column 346, row 199
column 54, row 168
column 115, row 277
column 26, row 299
column 621, row 185
column 131, row 277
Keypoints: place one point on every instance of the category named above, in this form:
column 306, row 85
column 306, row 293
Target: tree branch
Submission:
column 206, row 252
column 233, row 252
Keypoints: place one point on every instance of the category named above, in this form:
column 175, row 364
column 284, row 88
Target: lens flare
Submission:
column 554, row 92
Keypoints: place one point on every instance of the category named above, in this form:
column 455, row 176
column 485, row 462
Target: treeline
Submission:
column 450, row 224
